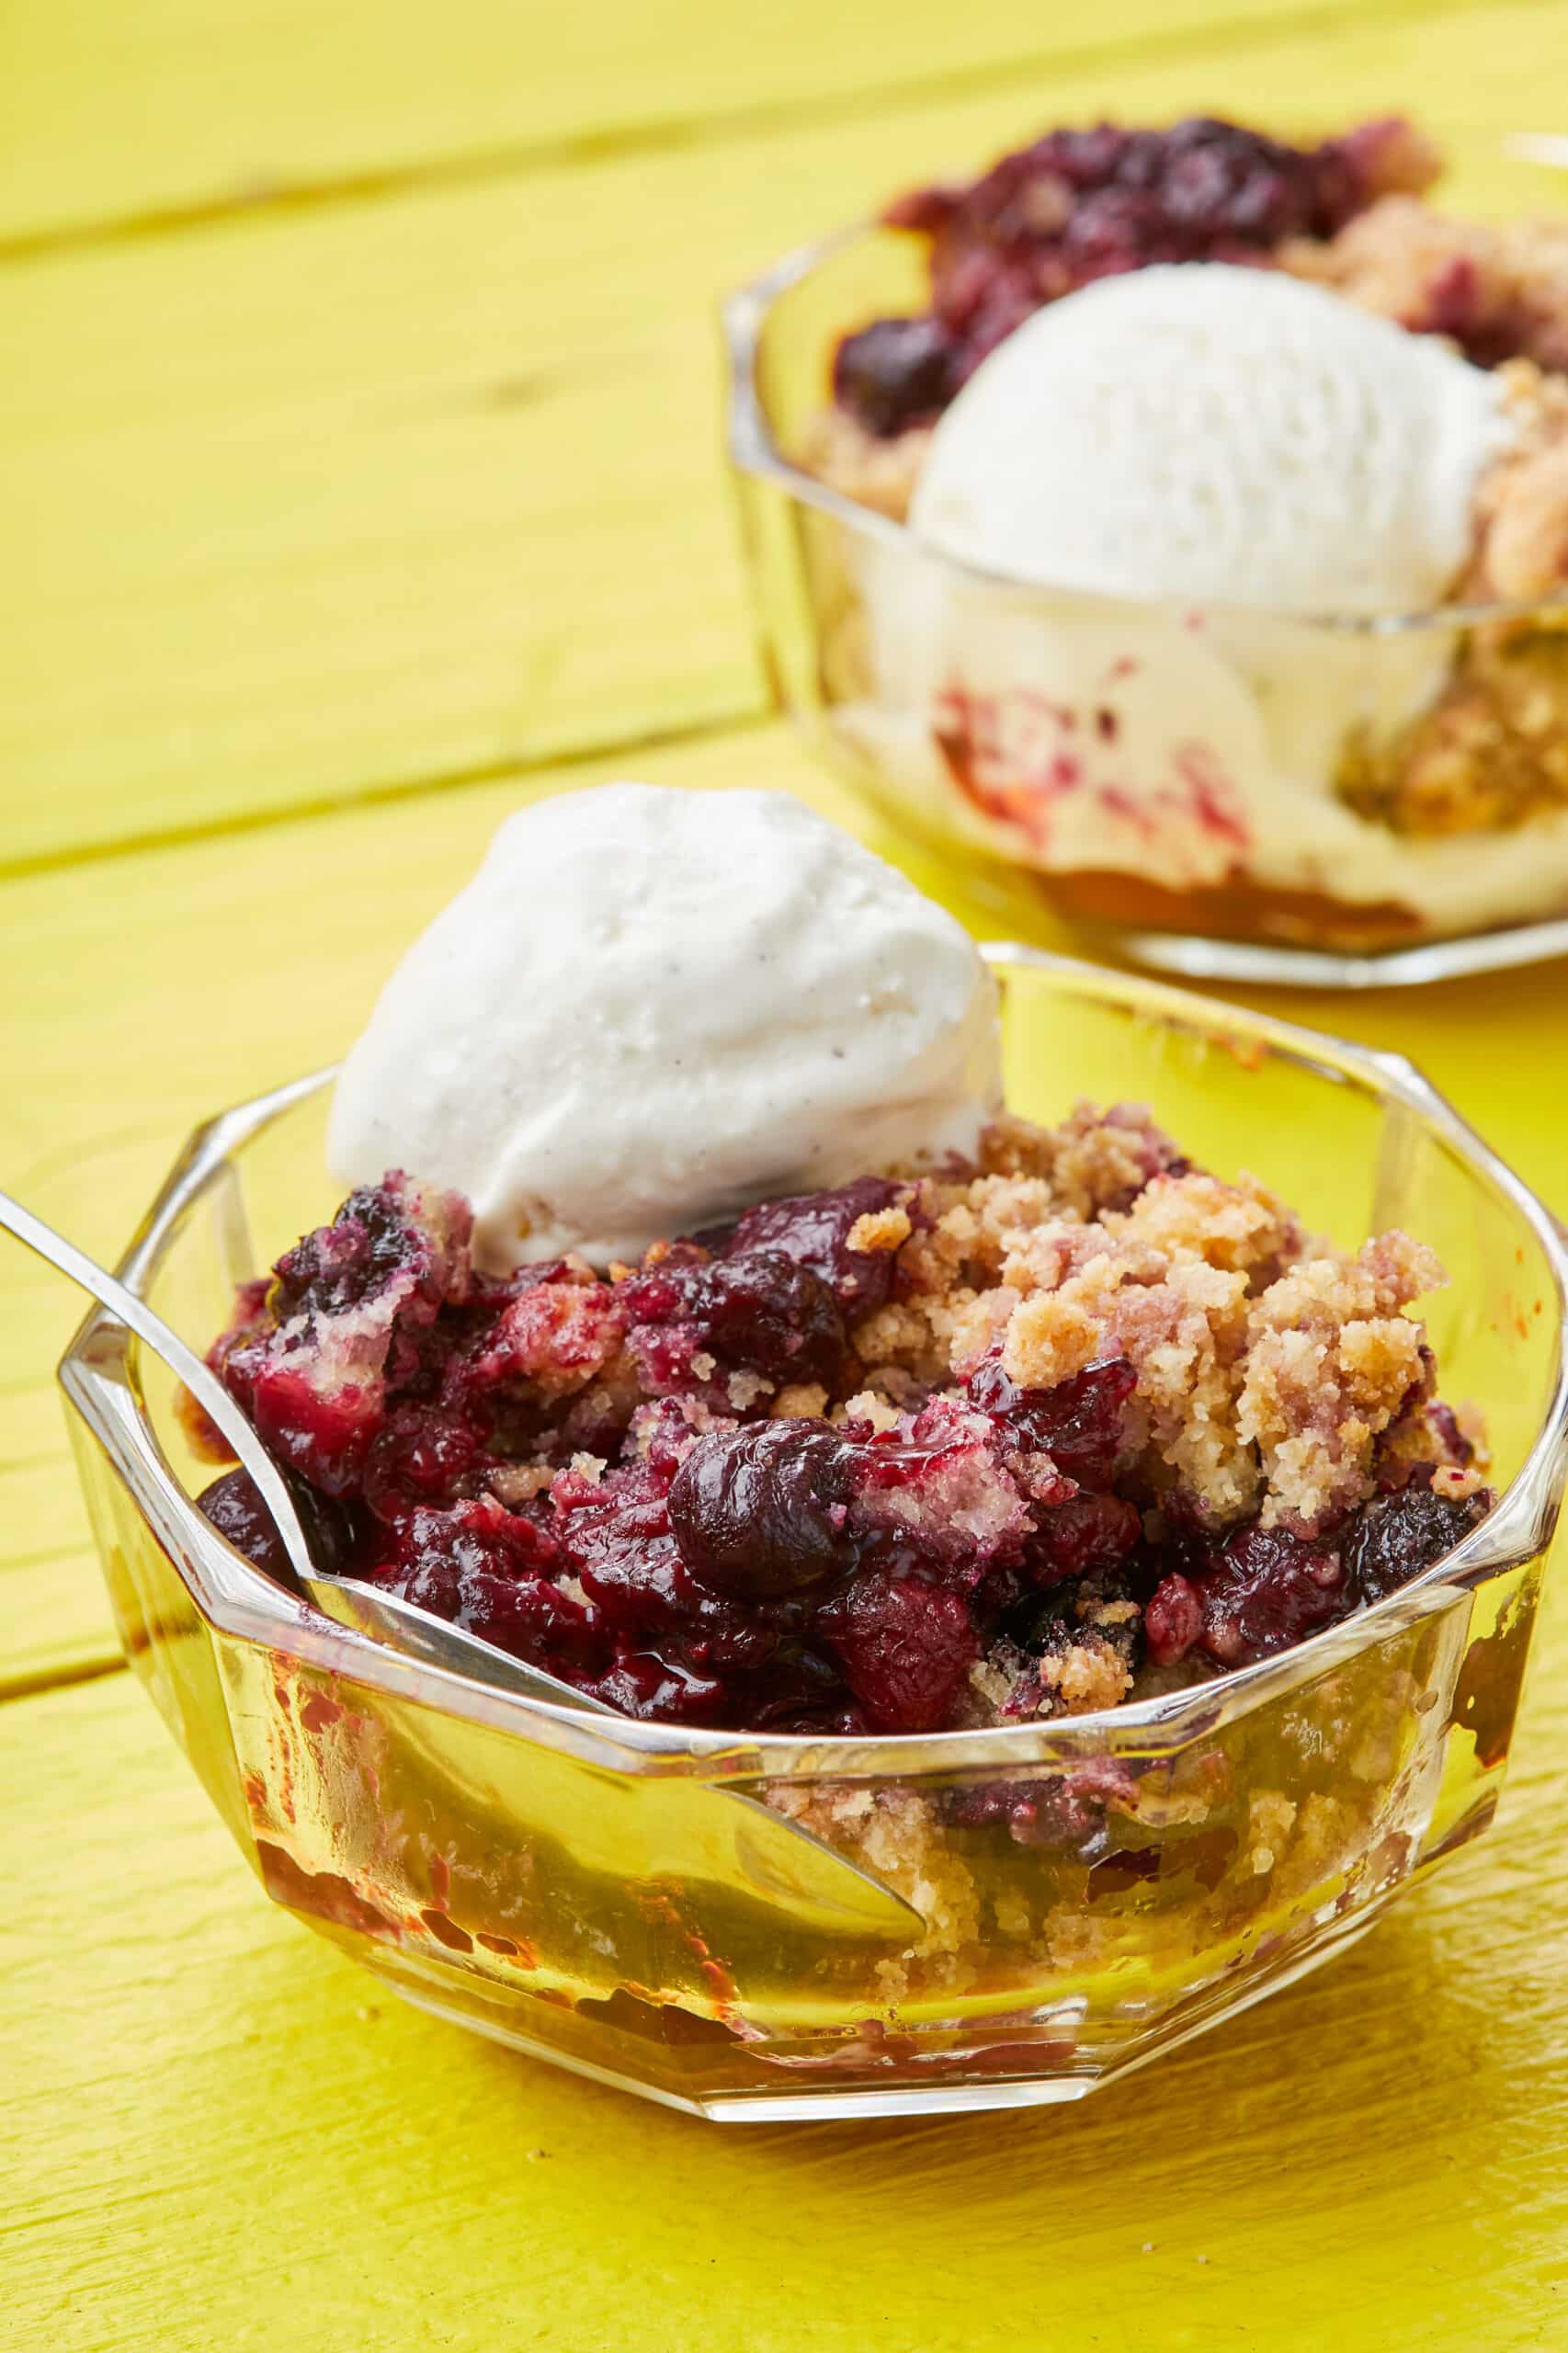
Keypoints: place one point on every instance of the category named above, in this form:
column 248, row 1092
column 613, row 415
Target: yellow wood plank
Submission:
column 217, row 2134
column 318, row 505
column 174, row 105
column 145, row 993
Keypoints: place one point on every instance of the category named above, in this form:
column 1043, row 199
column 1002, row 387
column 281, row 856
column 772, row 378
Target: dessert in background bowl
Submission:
column 1020, row 1502
column 1186, row 543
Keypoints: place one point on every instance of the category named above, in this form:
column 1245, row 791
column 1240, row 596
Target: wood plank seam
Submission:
column 663, row 135
column 26, row 1684
column 742, row 721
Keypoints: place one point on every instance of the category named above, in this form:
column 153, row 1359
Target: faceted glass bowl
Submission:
column 1163, row 775
column 585, row 1888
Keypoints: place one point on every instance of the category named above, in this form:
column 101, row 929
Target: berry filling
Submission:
column 912, row 1454
column 1084, row 204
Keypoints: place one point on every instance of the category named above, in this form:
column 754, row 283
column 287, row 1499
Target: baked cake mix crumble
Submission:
column 1024, row 1437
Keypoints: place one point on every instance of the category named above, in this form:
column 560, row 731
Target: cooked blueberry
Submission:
column 761, row 1312
column 894, row 373
column 1392, row 1541
column 341, row 1264
column 760, row 1512
column 1080, row 1423
column 235, row 1507
column 814, row 1229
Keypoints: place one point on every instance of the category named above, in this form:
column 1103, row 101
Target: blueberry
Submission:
column 758, row 1512
column 894, row 373
column 1392, row 1541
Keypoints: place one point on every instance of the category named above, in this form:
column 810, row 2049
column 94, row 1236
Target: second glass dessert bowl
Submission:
column 1221, row 792
column 1088, row 1892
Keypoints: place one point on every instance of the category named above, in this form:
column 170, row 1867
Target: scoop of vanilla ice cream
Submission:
column 651, row 1008
column 1204, row 430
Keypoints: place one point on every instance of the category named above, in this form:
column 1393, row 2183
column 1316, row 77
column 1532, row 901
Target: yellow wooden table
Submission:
column 359, row 472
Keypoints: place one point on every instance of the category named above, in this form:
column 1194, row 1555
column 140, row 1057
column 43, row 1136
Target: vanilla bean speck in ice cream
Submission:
column 651, row 1008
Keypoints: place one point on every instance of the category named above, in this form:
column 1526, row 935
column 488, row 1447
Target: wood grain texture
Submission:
column 318, row 505
column 219, row 2134
column 170, row 108
column 326, row 502
column 144, row 996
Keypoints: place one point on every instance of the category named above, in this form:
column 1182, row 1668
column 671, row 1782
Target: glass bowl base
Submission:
column 969, row 2093
column 1192, row 957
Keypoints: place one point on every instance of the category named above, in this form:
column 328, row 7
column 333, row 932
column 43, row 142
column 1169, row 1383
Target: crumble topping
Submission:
column 1499, row 289
column 873, row 470
column 1017, row 1439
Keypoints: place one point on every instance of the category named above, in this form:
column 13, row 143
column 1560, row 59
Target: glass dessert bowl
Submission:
column 1090, row 1890
column 1205, row 781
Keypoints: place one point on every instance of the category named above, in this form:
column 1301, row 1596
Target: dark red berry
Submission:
column 659, row 1690
column 1083, row 1536
column 1392, row 1541
column 493, row 1573
column 895, row 373
column 1173, row 1619
column 1265, row 1590
column 759, row 1311
column 1080, row 1423
column 420, row 1456
column 905, row 1648
column 760, row 1512
column 235, row 1507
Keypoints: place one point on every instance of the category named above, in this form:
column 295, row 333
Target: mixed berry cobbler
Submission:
column 1489, row 750
column 1025, row 1438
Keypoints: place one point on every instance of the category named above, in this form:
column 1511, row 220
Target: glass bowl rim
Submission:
column 102, row 1353
column 751, row 446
